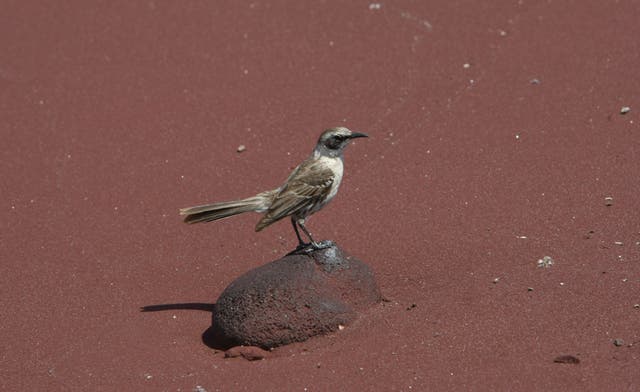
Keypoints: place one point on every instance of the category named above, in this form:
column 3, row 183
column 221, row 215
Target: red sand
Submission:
column 115, row 114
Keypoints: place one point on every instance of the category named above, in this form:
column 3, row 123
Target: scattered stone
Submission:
column 545, row 262
column 529, row 288
column 199, row 388
column 570, row 359
column 411, row 306
column 637, row 306
column 619, row 243
column 618, row 342
column 589, row 234
column 241, row 148
column 496, row 280
column 608, row 201
column 625, row 110
column 250, row 353
column 534, row 81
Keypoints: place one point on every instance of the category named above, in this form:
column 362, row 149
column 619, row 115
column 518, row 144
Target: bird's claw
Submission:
column 322, row 244
column 313, row 246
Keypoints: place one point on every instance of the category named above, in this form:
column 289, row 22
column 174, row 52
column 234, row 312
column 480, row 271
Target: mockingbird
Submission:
column 309, row 187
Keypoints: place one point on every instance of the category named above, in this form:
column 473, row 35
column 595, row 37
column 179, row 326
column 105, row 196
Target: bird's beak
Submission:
column 358, row 134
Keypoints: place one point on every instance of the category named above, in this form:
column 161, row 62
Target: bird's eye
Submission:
column 334, row 142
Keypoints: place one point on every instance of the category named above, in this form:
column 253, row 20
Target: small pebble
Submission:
column 637, row 306
column 250, row 353
column 625, row 110
column 529, row 288
column 545, row 262
column 619, row 243
column 618, row 342
column 241, row 148
column 608, row 201
column 566, row 359
column 535, row 81
column 496, row 280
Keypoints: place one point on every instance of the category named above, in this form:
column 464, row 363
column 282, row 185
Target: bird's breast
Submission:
column 337, row 167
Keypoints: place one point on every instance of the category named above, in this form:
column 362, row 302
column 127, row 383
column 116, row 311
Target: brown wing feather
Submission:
column 309, row 184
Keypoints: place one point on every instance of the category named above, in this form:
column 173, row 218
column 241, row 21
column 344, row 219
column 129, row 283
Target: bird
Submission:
column 309, row 187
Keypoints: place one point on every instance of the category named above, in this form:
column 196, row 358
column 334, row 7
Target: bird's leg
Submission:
column 295, row 228
column 314, row 244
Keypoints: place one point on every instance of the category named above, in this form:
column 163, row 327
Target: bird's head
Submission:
column 333, row 140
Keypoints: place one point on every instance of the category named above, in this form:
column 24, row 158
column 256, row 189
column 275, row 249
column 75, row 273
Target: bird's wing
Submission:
column 309, row 184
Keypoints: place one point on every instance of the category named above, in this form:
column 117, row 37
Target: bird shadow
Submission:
column 180, row 306
column 211, row 337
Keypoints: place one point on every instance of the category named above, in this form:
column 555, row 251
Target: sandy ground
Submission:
column 496, row 137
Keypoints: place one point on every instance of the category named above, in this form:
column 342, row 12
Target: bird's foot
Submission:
column 312, row 246
column 322, row 244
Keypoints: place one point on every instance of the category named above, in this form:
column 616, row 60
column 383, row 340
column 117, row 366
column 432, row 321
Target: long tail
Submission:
column 211, row 212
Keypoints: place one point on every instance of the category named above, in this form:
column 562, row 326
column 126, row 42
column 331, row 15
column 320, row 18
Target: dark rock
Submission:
column 292, row 299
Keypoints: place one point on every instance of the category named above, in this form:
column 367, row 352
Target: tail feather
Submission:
column 211, row 212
